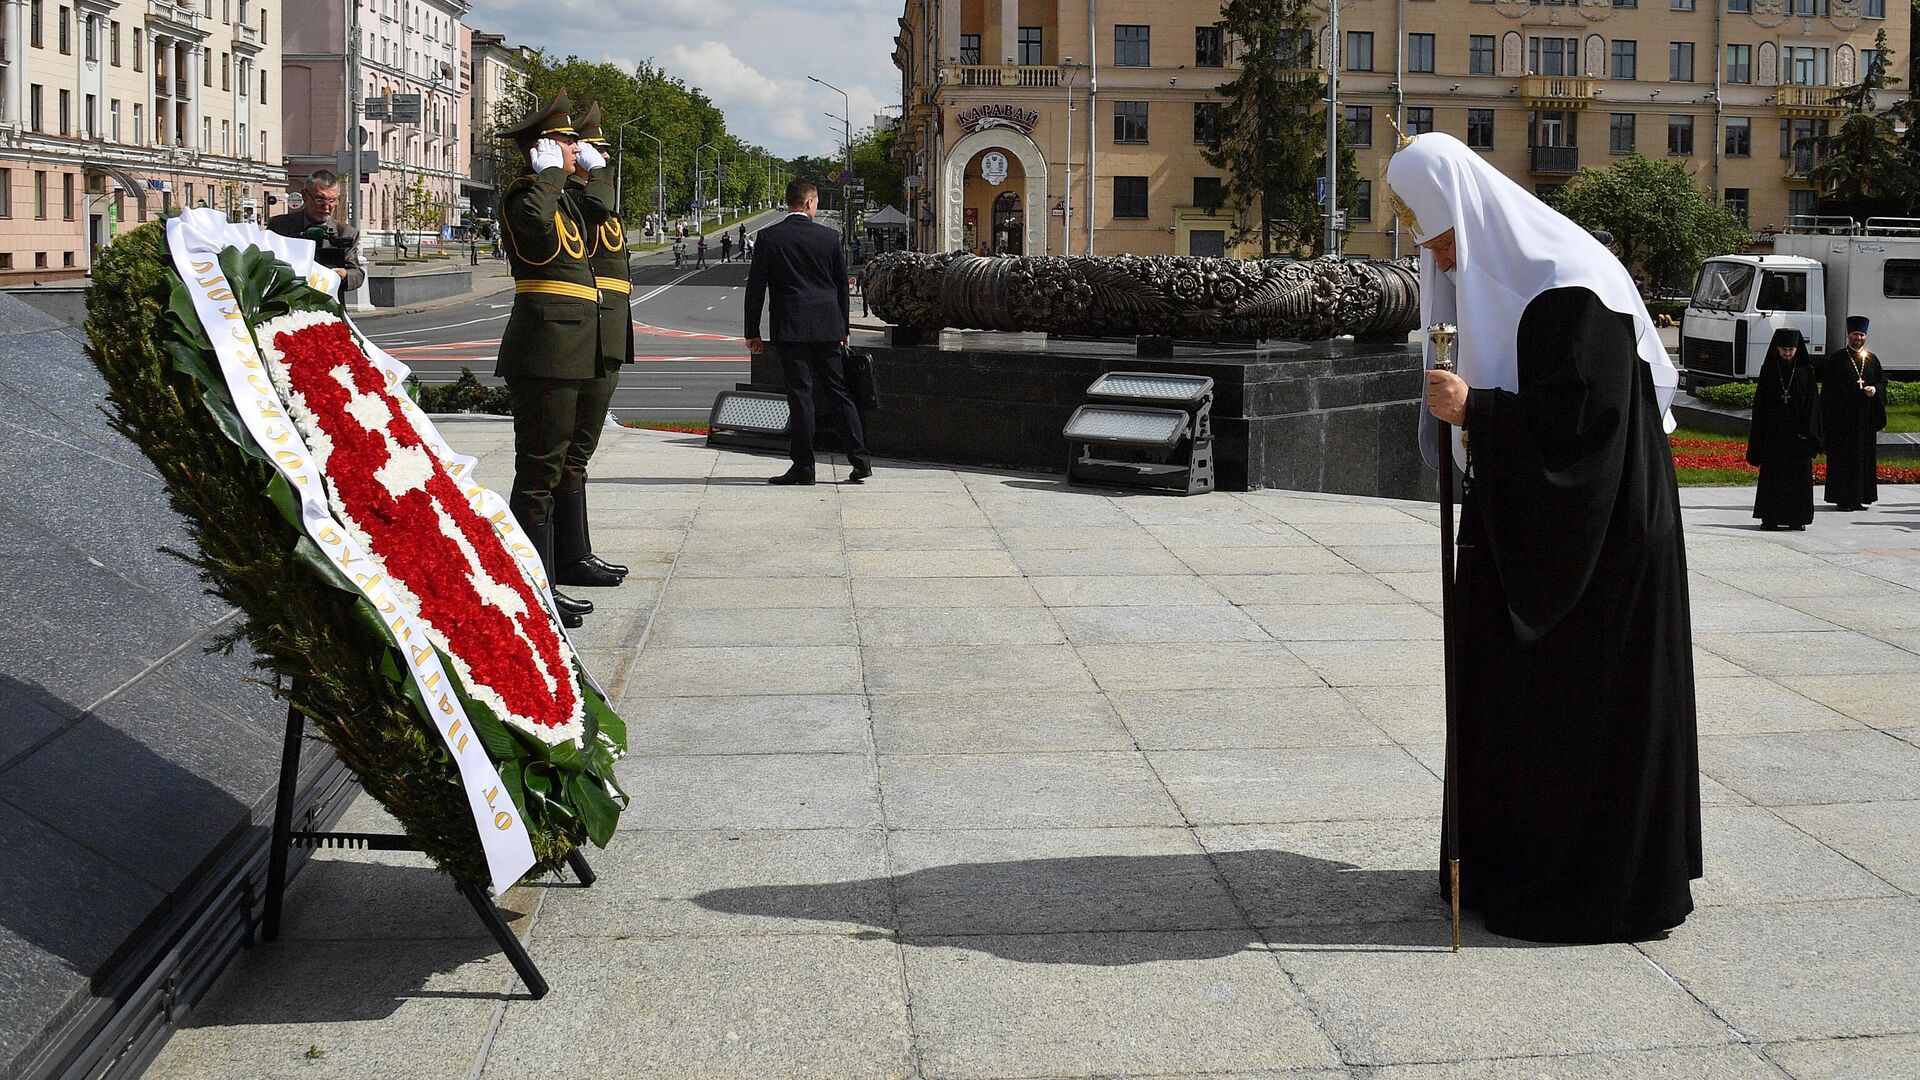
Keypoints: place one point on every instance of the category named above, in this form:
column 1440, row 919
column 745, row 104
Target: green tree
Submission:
column 1271, row 135
column 1860, row 166
column 1661, row 222
column 420, row 208
column 873, row 162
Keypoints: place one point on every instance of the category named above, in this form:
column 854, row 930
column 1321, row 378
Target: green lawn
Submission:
column 1903, row 418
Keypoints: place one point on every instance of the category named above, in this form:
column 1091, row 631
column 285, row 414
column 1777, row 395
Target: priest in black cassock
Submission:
column 1578, row 760
column 1853, row 409
column 1786, row 433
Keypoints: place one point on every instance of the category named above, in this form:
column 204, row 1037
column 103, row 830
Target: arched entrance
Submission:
column 1015, row 208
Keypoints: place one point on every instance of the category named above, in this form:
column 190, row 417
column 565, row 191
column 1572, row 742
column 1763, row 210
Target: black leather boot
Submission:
column 573, row 548
column 572, row 612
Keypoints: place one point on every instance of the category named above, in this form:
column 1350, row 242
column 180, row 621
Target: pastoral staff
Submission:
column 1578, row 772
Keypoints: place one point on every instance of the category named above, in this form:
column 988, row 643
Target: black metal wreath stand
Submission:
column 285, row 838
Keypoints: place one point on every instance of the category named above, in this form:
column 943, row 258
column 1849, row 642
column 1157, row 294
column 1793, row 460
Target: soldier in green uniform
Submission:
column 549, row 352
column 606, row 239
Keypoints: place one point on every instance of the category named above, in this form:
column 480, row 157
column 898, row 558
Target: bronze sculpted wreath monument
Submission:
column 1146, row 296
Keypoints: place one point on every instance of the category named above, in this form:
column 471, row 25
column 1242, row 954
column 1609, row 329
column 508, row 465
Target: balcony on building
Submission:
column 246, row 36
column 994, row 75
column 161, row 86
column 1555, row 160
column 1557, row 91
column 1812, row 101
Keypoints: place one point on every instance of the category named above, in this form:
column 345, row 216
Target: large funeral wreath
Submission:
column 551, row 736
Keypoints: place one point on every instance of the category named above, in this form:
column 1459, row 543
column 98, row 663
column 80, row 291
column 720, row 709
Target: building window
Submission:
column 1681, row 5
column 139, row 50
column 1362, row 201
column 1206, row 123
column 39, row 260
column 113, row 43
column 90, row 120
column 1626, row 59
column 1359, row 50
column 139, row 125
column 66, row 196
column 1736, row 202
column 1801, row 203
column 1679, row 136
column 1803, row 66
column 1480, row 54
column 1876, row 9
column 1359, row 125
column 1420, row 53
column 66, row 112
column 1739, row 5
column 1129, row 121
column 33, row 24
column 1030, row 47
column 6, row 193
column 1680, row 61
column 113, row 119
column 226, row 72
column 91, row 35
column 39, row 195
column 66, row 34
column 1739, row 136
column 1209, row 47
column 35, row 119
column 1480, row 129
column 1553, row 56
column 1551, row 128
column 970, row 48
column 263, row 146
column 1419, row 120
column 1132, row 46
column 1739, row 63
column 1619, row 133
column 263, row 86
column 1207, row 193
column 1130, row 196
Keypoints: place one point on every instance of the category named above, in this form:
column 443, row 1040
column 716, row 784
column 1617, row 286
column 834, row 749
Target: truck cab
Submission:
column 1823, row 269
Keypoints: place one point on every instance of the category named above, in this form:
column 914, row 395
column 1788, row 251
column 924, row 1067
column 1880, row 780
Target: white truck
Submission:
column 1821, row 271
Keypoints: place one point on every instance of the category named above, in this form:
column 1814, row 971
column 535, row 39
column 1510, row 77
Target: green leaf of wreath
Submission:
column 597, row 809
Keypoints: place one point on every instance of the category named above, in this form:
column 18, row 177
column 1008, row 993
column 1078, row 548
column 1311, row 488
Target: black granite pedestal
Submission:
column 1330, row 417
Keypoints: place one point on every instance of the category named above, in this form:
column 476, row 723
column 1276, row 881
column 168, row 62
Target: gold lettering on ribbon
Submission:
column 327, row 536
column 459, row 739
column 445, row 705
column 200, row 267
column 276, row 434
column 421, row 654
column 290, row 460
column 367, row 582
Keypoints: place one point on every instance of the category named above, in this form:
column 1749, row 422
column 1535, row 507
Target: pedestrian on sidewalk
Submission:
column 1853, row 407
column 726, row 247
column 679, row 251
column 700, row 253
column 1786, row 433
column 803, row 266
column 1576, row 766
column 743, row 239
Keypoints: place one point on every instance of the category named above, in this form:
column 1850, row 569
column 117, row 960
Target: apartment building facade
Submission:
column 406, row 49
column 1047, row 127
column 115, row 111
column 500, row 71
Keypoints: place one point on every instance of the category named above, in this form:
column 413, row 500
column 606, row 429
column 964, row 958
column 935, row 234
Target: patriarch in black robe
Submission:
column 1853, row 410
column 1785, row 434
column 1578, row 760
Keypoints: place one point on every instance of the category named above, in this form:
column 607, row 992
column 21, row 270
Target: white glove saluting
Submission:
column 590, row 157
column 546, row 154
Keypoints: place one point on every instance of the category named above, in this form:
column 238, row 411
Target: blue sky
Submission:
column 752, row 57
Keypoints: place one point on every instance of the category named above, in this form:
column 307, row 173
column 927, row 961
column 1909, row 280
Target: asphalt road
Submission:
column 687, row 346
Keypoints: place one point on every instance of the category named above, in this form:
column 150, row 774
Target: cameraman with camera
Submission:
column 334, row 240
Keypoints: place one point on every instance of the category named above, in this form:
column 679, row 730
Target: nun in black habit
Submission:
column 1786, row 433
column 1578, row 761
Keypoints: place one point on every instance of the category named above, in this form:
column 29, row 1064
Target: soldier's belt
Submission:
column 558, row 288
column 614, row 284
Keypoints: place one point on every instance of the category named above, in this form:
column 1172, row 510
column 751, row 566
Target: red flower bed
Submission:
column 1732, row 454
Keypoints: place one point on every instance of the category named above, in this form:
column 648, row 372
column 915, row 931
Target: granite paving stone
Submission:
column 748, row 669
column 1178, row 1003
column 785, row 561
column 1883, row 837
column 1244, row 719
column 948, row 539
column 1165, row 623
column 1754, row 857
column 1752, row 705
column 1330, row 872
column 762, row 791
column 1280, row 589
column 772, row 724
column 1348, row 622
column 1881, row 701
column 1847, row 1059
column 1683, row 1063
column 974, row 722
column 1231, row 787
column 1083, row 562
column 753, row 626
column 959, row 626
column 1836, row 652
column 1022, row 791
column 1198, row 666
column 713, row 594
column 1814, row 766
column 1263, row 560
column 1122, row 591
column 933, row 669
column 931, row 564
column 1802, row 971
column 816, row 1006
column 1250, row 533
column 944, row 592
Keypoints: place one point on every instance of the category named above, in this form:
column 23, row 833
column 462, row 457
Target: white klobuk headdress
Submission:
column 1509, row 247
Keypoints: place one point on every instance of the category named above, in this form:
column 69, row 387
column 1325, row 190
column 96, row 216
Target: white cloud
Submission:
column 751, row 57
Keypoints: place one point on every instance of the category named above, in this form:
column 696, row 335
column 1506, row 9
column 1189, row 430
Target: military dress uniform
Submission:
column 549, row 352
column 606, row 240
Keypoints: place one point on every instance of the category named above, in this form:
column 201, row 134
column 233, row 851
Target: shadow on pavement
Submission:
column 1118, row 910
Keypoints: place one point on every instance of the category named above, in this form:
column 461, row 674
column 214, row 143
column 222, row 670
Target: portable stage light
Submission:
column 1142, row 441
column 746, row 418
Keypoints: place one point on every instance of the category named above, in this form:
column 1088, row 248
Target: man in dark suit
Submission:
column 806, row 269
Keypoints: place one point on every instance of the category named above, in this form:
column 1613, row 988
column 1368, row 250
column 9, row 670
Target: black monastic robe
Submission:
column 1851, row 421
column 1578, row 757
column 1784, row 438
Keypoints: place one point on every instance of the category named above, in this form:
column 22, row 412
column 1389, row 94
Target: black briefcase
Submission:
column 860, row 381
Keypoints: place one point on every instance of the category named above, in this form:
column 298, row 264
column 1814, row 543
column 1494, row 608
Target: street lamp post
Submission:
column 846, row 110
column 699, row 191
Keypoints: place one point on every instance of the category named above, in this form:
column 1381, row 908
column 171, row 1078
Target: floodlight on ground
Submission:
column 1151, row 387
column 748, row 418
column 1144, row 429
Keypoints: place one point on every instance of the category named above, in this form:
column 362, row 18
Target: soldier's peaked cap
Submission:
column 554, row 118
column 592, row 126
